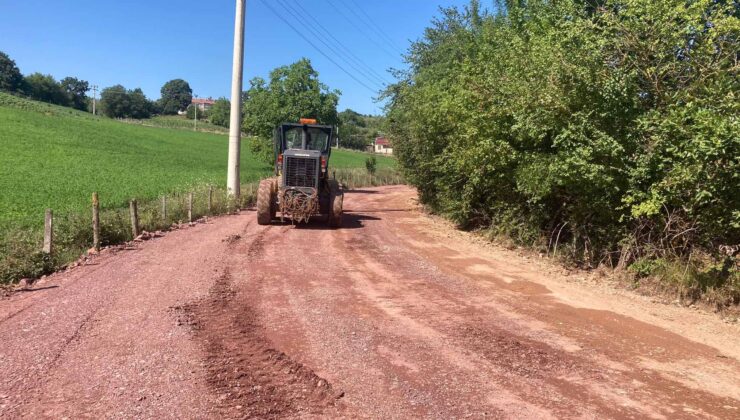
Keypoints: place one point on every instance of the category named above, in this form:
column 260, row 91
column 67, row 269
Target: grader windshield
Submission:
column 315, row 138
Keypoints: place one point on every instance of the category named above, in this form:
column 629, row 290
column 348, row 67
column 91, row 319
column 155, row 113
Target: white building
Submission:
column 383, row 146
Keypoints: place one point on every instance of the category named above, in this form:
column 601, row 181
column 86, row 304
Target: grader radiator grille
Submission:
column 301, row 172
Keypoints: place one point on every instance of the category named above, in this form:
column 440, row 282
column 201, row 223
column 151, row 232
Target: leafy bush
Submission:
column 202, row 115
column 613, row 127
column 220, row 113
column 371, row 165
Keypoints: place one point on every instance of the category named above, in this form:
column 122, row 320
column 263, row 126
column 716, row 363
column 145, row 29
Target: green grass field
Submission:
column 179, row 122
column 54, row 157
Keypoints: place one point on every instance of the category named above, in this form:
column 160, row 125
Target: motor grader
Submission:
column 301, row 187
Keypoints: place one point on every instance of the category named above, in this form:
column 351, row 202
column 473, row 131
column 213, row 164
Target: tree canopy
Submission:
column 611, row 125
column 11, row 79
column 118, row 102
column 43, row 87
column 76, row 91
column 176, row 96
column 293, row 92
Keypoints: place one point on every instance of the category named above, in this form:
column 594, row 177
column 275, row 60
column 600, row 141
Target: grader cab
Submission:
column 301, row 187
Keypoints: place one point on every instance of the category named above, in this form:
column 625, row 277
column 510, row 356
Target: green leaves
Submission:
column 176, row 96
column 293, row 92
column 607, row 120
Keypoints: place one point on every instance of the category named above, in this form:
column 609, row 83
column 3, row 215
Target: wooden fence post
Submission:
column 190, row 208
column 210, row 199
column 48, row 232
column 164, row 208
column 134, row 218
column 96, row 221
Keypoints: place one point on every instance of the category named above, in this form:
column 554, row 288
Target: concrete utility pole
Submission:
column 235, row 126
column 95, row 94
column 196, row 113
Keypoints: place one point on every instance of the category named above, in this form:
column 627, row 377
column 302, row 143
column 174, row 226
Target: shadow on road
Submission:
column 378, row 211
column 349, row 221
column 360, row 192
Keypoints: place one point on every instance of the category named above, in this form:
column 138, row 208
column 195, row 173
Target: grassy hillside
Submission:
column 179, row 122
column 54, row 157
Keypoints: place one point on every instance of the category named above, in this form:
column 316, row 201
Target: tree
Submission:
column 358, row 131
column 612, row 123
column 117, row 102
column 76, row 91
column 293, row 92
column 11, row 79
column 140, row 106
column 176, row 96
column 220, row 113
column 46, row 89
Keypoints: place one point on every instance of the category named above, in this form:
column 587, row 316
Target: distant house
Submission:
column 203, row 104
column 383, row 146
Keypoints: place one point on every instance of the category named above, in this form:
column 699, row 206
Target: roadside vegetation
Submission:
column 602, row 132
column 358, row 131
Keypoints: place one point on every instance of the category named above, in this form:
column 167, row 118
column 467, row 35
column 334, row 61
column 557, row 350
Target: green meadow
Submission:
column 55, row 157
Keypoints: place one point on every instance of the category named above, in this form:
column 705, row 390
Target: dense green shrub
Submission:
column 220, row 113
column 371, row 164
column 202, row 114
column 613, row 128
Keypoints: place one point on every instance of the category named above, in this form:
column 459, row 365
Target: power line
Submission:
column 287, row 22
column 376, row 75
column 360, row 27
column 297, row 14
column 372, row 22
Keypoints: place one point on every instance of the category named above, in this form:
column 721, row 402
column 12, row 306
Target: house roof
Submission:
column 382, row 141
column 203, row 101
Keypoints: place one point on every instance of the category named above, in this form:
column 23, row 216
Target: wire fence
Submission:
column 32, row 253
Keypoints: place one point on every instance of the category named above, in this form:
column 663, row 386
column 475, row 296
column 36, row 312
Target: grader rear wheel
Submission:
column 336, row 201
column 266, row 201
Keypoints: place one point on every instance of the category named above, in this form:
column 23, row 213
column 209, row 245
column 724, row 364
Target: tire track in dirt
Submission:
column 563, row 382
column 250, row 377
column 412, row 319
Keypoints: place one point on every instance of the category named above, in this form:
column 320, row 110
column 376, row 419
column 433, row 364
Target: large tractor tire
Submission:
column 336, row 201
column 266, row 201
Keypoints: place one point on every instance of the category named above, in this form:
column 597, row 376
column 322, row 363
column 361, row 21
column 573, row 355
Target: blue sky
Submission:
column 143, row 44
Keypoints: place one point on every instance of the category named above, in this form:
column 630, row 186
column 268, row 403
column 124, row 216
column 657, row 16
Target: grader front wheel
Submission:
column 266, row 199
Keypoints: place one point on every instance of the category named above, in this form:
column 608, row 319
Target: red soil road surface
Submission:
column 396, row 315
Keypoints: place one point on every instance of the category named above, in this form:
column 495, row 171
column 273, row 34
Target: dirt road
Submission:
column 394, row 316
